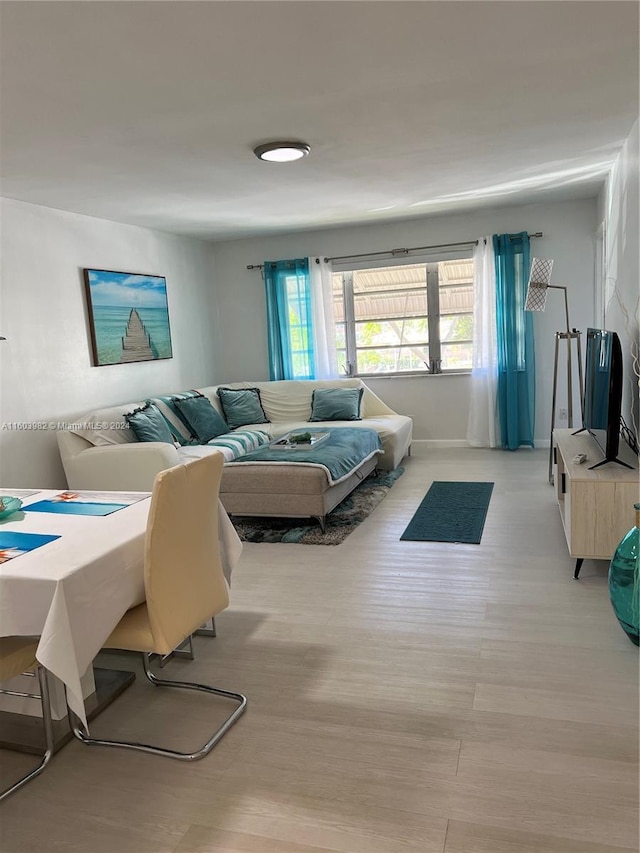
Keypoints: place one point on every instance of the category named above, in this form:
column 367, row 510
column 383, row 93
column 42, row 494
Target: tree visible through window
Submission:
column 299, row 308
column 407, row 318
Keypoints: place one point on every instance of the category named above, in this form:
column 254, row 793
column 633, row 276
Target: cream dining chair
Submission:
column 18, row 656
column 184, row 586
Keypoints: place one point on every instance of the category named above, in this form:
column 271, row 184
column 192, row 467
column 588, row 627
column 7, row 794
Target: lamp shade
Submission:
column 539, row 281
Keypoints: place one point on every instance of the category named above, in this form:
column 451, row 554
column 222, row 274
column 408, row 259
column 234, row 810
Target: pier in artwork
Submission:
column 136, row 344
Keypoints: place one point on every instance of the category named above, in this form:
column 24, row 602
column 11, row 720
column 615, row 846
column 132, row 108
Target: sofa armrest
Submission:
column 120, row 467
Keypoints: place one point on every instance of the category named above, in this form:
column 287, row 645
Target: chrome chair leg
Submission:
column 183, row 650
column 208, row 632
column 48, row 731
column 80, row 732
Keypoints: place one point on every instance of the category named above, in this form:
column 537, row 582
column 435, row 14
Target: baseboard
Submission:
column 440, row 442
column 540, row 443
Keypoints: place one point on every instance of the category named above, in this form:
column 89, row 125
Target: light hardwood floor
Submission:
column 403, row 696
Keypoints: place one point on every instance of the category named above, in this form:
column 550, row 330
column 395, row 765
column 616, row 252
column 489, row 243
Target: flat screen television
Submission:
column 603, row 392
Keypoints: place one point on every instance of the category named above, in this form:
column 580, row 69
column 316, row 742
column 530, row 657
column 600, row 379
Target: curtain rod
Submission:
column 413, row 249
column 397, row 251
column 273, row 264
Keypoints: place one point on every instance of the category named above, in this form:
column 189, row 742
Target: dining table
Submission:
column 72, row 590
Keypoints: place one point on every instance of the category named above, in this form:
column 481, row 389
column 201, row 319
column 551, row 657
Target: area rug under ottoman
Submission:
column 342, row 521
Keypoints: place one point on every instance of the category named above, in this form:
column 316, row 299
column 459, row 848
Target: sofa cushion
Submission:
column 242, row 406
column 149, row 424
column 289, row 400
column 178, row 425
column 201, row 418
column 336, row 404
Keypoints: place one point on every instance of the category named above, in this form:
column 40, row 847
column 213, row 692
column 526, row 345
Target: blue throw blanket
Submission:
column 344, row 450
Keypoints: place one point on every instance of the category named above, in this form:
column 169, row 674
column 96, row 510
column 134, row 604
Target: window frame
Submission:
column 434, row 344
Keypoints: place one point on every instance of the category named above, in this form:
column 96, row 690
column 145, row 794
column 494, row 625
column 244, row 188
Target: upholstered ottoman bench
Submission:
column 303, row 481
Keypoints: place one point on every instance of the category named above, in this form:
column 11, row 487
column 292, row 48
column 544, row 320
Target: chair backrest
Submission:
column 17, row 655
column 183, row 575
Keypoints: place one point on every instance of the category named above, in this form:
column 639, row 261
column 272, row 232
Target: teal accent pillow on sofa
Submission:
column 201, row 418
column 242, row 406
column 148, row 424
column 336, row 404
column 176, row 422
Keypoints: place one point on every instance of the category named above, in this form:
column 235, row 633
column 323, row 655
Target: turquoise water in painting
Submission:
column 111, row 325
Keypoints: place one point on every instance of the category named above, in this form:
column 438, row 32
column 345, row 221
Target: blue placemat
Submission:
column 73, row 507
column 14, row 544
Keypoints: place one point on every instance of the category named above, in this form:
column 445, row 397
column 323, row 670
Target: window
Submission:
column 410, row 318
column 299, row 320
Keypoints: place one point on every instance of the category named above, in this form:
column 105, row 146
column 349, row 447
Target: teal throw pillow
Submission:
column 177, row 424
column 242, row 406
column 336, row 404
column 201, row 417
column 148, row 424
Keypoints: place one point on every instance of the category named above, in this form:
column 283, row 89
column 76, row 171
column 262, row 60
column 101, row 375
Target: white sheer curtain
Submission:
column 324, row 332
column 482, row 428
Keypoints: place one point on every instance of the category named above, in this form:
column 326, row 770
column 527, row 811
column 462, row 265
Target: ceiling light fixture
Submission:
column 282, row 152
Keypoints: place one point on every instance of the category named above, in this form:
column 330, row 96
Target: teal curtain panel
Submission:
column 289, row 319
column 516, row 351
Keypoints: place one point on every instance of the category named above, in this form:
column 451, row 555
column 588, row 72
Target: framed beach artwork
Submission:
column 128, row 317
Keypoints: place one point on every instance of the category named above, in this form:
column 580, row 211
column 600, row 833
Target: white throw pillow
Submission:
column 107, row 426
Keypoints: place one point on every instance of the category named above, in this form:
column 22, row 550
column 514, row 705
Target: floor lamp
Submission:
column 539, row 284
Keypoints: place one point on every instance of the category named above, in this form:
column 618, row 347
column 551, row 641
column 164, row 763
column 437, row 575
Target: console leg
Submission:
column 579, row 563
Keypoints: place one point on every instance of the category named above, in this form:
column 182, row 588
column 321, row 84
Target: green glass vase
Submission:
column 624, row 581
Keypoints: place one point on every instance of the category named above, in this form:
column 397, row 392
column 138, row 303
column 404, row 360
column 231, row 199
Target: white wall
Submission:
column 438, row 404
column 620, row 207
column 46, row 371
column 45, row 363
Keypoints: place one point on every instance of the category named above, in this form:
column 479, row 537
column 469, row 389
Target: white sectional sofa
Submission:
column 101, row 452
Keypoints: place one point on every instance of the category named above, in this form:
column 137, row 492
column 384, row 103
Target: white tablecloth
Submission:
column 72, row 592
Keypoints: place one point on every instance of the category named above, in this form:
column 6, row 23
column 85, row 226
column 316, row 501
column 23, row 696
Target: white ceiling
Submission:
column 147, row 112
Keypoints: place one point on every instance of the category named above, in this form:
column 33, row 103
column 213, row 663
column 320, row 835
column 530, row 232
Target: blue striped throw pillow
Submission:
column 240, row 441
column 177, row 424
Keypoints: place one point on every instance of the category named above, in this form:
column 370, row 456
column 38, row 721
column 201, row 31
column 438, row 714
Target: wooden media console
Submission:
column 596, row 506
